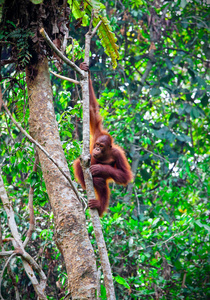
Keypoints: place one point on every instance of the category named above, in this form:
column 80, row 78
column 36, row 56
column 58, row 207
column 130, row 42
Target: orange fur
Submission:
column 108, row 162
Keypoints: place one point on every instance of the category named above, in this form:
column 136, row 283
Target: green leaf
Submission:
column 203, row 226
column 37, row 1
column 108, row 39
column 103, row 292
column 183, row 138
column 155, row 92
column 105, row 32
column 205, row 100
column 145, row 175
column 184, row 23
column 195, row 113
column 183, row 3
column 169, row 63
column 122, row 281
column 165, row 215
column 177, row 59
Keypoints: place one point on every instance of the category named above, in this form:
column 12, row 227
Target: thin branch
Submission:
column 138, row 204
column 60, row 54
column 19, row 249
column 161, row 157
column 65, row 78
column 33, row 264
column 96, row 28
column 6, row 253
column 184, row 279
column 172, row 237
column 30, row 205
column 91, row 22
column 66, row 36
column 75, row 74
column 2, row 273
column 7, row 61
column 134, row 167
column 43, row 150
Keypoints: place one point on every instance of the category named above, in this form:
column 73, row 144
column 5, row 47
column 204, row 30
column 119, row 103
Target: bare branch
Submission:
column 65, row 78
column 43, row 150
column 59, row 53
column 10, row 272
column 18, row 245
column 2, row 273
column 91, row 22
column 27, row 258
column 6, row 253
column 96, row 28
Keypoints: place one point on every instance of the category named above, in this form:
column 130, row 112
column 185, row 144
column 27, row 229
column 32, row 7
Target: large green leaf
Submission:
column 122, row 281
column 36, row 1
column 81, row 9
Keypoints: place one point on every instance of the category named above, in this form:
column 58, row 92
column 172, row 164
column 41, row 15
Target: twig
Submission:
column 161, row 157
column 59, row 53
column 184, row 279
column 65, row 78
column 6, row 253
column 164, row 242
column 134, row 167
column 96, row 28
column 138, row 204
column 2, row 272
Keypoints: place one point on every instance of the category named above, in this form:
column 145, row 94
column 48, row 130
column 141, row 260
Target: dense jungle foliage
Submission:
column 155, row 104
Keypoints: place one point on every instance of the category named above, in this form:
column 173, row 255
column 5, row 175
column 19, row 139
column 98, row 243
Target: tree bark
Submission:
column 70, row 230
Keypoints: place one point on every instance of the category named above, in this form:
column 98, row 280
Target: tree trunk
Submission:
column 70, row 230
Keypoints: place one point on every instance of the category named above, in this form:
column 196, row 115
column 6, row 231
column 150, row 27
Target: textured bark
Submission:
column 70, row 229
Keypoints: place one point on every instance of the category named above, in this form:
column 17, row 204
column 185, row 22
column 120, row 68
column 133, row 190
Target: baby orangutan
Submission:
column 108, row 161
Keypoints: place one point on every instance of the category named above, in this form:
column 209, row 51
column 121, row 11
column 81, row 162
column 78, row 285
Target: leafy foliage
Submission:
column 156, row 106
column 19, row 37
column 80, row 11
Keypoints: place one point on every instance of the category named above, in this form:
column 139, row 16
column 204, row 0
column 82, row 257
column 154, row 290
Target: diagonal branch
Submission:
column 60, row 54
column 2, row 272
column 64, row 77
column 43, row 150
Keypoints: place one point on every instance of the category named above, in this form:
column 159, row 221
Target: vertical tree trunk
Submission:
column 70, row 230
